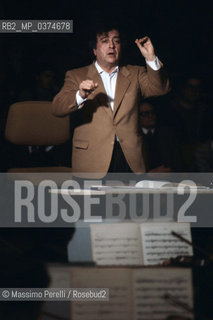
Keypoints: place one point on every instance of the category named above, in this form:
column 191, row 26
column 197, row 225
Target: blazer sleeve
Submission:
column 64, row 102
column 153, row 82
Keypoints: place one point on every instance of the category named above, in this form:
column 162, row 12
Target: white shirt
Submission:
column 109, row 81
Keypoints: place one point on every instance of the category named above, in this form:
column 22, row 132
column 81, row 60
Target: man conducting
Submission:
column 103, row 100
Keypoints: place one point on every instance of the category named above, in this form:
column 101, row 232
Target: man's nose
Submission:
column 111, row 43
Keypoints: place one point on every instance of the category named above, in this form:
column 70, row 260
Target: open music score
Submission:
column 136, row 293
column 138, row 244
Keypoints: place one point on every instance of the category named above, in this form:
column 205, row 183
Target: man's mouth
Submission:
column 111, row 53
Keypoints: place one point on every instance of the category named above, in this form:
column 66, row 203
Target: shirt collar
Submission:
column 100, row 70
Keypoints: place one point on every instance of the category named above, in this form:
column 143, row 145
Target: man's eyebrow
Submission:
column 103, row 37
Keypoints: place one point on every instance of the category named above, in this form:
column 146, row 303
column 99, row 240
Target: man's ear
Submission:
column 94, row 51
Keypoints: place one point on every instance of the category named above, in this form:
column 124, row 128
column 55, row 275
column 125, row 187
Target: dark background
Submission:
column 181, row 32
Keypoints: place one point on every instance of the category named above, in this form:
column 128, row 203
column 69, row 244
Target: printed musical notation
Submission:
column 151, row 286
column 139, row 244
column 135, row 293
column 158, row 243
column 116, row 245
column 117, row 280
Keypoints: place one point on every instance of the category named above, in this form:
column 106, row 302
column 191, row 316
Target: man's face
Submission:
column 147, row 116
column 108, row 49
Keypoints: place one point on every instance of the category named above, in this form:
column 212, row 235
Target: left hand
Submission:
column 146, row 48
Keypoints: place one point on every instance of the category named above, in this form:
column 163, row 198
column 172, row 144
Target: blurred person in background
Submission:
column 160, row 146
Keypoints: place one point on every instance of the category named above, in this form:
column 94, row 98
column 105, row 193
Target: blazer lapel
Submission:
column 122, row 85
column 99, row 93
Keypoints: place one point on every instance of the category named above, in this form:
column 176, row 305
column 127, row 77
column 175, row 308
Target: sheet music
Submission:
column 151, row 285
column 116, row 244
column 158, row 244
column 59, row 277
column 117, row 280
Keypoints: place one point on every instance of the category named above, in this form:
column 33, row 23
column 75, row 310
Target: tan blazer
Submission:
column 96, row 125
